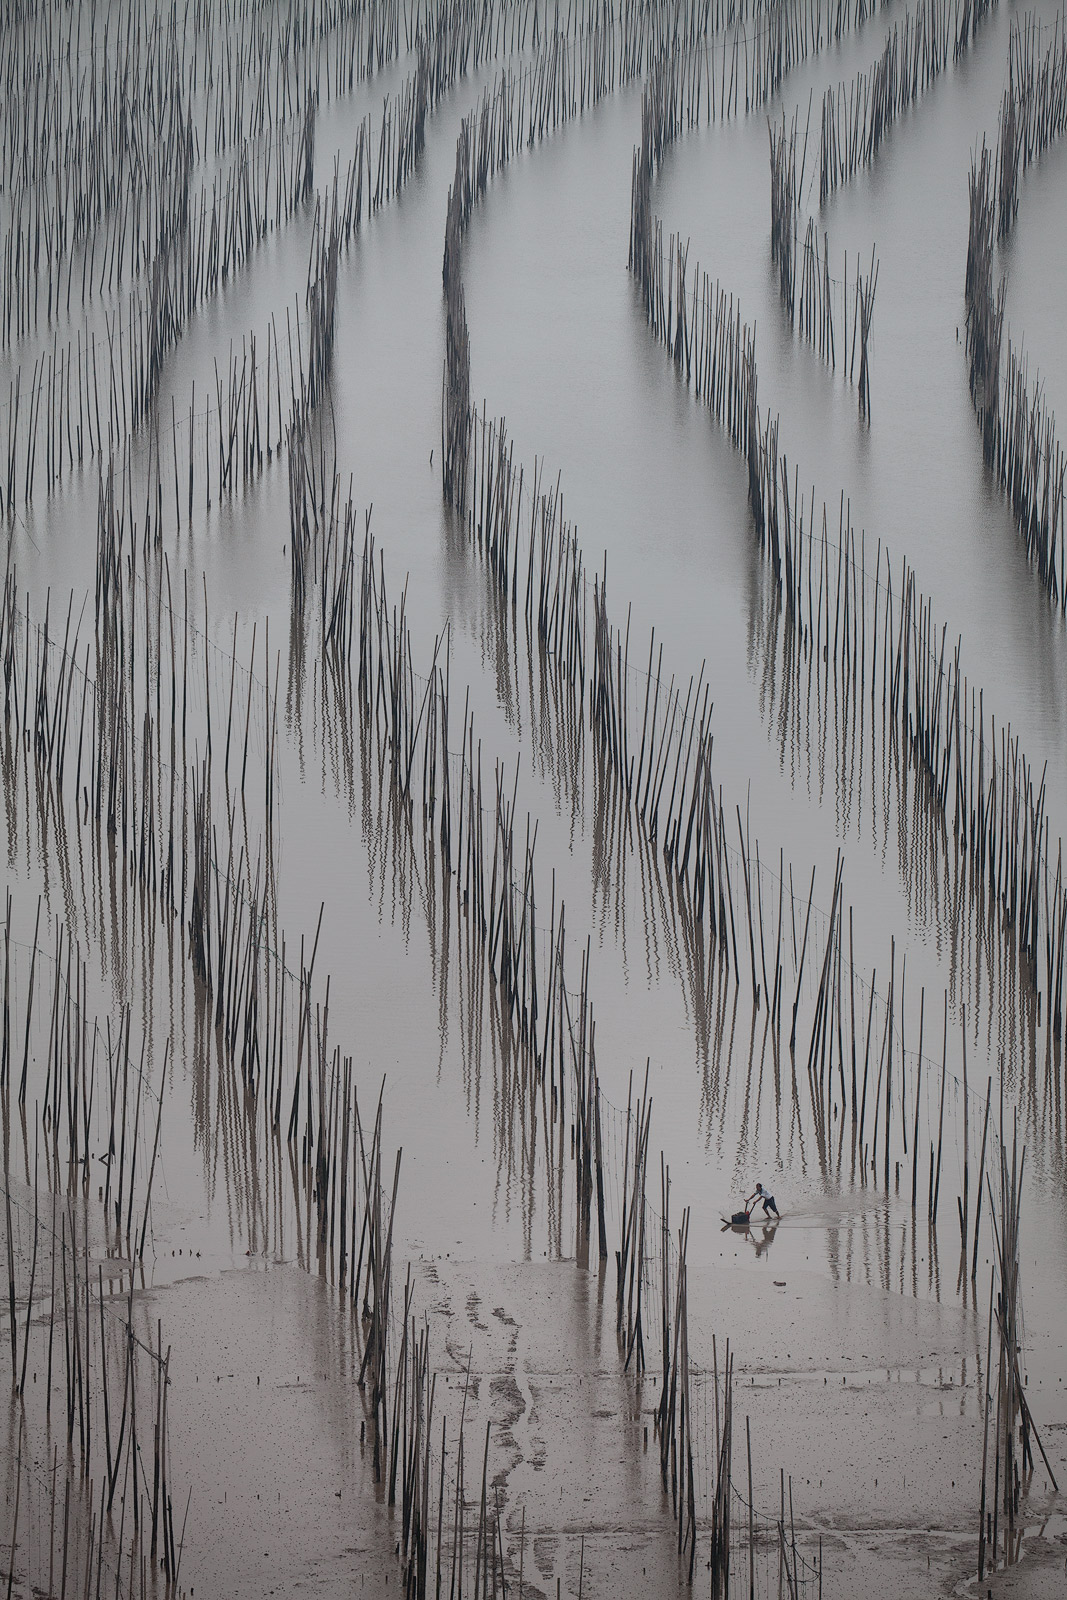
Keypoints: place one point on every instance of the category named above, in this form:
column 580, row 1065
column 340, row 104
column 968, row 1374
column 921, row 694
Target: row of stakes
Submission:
column 227, row 966
column 851, row 647
column 857, row 117
column 809, row 297
column 1020, row 443
column 328, row 1132
column 85, row 395
column 197, row 249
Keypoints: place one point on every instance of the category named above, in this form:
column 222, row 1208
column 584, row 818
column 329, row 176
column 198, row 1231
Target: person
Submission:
column 760, row 1193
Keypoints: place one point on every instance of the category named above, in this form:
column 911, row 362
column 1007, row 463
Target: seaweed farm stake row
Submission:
column 857, row 117
column 809, row 301
column 1019, row 439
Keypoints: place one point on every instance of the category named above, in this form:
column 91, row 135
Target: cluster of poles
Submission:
column 709, row 878
column 472, row 841
column 495, row 495
column 496, row 491
column 918, row 696
column 826, row 599
column 876, row 629
column 1006, row 1411
column 162, row 242
column 760, row 46
column 1020, row 443
column 674, row 1414
column 438, row 1525
column 90, row 1079
column 494, row 535
column 84, row 394
column 561, row 83
column 144, row 818
column 91, row 105
column 475, row 832
column 103, row 1489
column 225, row 958
column 857, row 117
column 1033, row 112
column 84, row 397
column 674, row 1411
column 876, row 785
column 710, row 345
column 808, row 294
column 99, row 1505
column 82, row 155
column 912, row 664
column 566, row 76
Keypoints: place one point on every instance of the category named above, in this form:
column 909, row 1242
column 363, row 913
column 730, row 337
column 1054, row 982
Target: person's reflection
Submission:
column 762, row 1238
